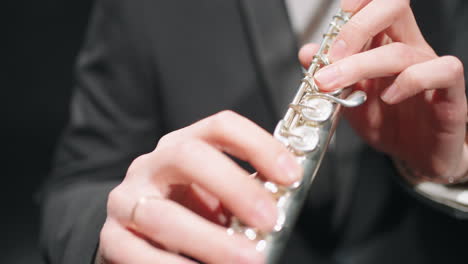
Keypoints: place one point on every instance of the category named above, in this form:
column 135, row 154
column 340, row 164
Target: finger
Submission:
column 306, row 54
column 384, row 61
column 244, row 139
column 444, row 74
column 180, row 230
column 205, row 204
column 353, row 5
column 396, row 19
column 120, row 246
column 197, row 162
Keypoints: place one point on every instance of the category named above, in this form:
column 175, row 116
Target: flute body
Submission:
column 306, row 130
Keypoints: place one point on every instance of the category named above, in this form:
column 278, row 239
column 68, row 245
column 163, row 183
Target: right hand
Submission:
column 194, row 182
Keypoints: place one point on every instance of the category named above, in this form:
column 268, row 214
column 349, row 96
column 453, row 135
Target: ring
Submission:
column 142, row 200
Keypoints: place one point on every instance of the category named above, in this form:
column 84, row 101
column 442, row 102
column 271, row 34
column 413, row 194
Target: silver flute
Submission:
column 306, row 130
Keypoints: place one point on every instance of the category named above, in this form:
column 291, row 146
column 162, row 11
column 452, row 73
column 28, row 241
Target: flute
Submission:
column 306, row 130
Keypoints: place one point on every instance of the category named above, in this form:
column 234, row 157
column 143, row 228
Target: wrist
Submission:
column 459, row 175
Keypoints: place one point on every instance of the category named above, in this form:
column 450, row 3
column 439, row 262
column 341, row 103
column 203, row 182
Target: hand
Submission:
column 188, row 182
column 416, row 109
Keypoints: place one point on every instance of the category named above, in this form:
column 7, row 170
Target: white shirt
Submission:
column 310, row 18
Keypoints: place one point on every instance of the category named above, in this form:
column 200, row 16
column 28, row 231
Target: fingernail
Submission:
column 338, row 50
column 289, row 167
column 246, row 254
column 327, row 76
column 350, row 5
column 389, row 94
column 266, row 211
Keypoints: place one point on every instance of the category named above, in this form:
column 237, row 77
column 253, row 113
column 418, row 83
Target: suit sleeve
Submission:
column 113, row 119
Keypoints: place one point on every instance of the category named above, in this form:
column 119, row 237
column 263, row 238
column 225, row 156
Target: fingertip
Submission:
column 306, row 53
column 325, row 87
column 290, row 170
column 329, row 77
column 390, row 94
column 267, row 213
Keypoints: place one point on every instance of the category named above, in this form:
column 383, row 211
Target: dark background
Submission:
column 39, row 45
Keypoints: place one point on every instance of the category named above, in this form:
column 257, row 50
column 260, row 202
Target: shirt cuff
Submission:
column 454, row 197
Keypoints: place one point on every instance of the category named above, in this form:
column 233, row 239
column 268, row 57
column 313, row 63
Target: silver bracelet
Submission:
column 415, row 177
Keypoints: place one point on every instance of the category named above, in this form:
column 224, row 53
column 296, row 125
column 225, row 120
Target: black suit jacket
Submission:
column 150, row 67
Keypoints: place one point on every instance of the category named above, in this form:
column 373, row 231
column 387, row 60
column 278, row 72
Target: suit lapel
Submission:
column 347, row 152
column 274, row 48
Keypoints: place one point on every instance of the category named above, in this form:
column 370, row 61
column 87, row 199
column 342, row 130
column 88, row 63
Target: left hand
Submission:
column 416, row 109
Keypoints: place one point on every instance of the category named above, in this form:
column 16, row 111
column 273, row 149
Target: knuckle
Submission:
column 355, row 27
column 222, row 123
column 141, row 165
column 223, row 119
column 166, row 140
column 454, row 66
column 226, row 114
column 401, row 6
column 187, row 147
column 114, row 200
column 107, row 237
column 354, row 65
column 414, row 80
column 169, row 158
column 401, row 50
column 138, row 163
column 167, row 149
column 108, row 249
